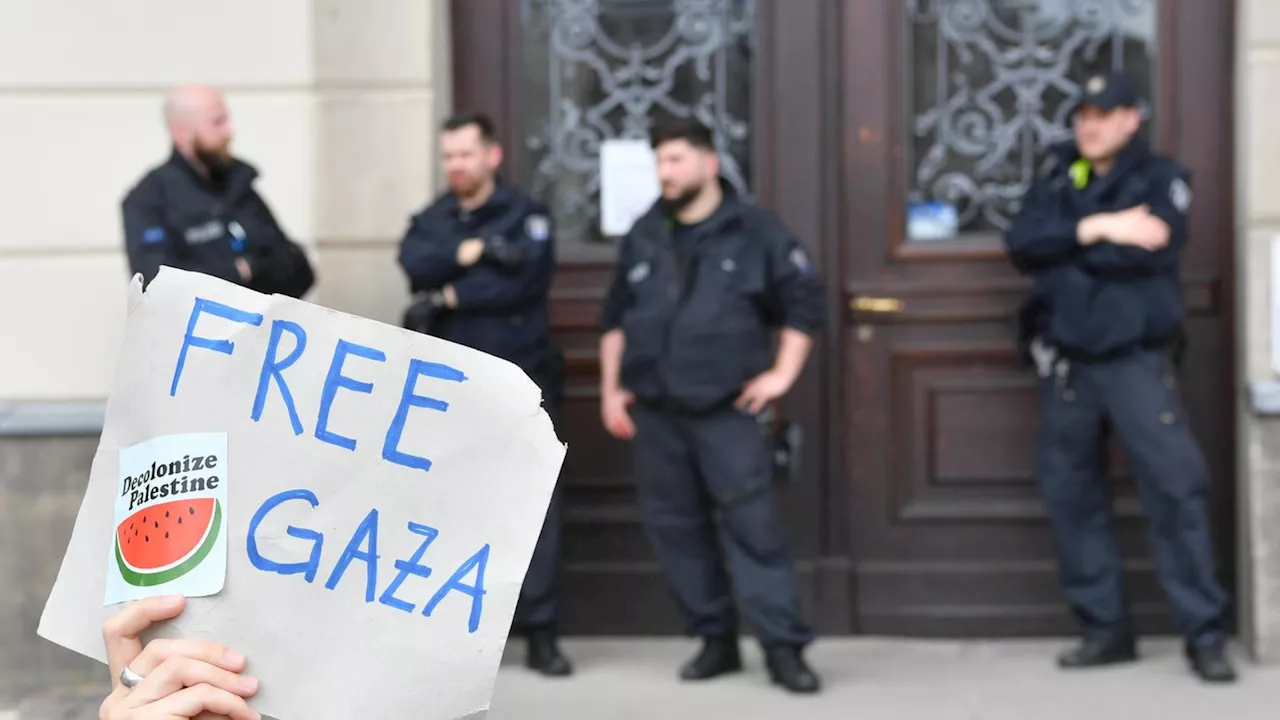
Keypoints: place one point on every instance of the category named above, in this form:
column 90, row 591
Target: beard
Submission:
column 467, row 187
column 673, row 205
column 216, row 162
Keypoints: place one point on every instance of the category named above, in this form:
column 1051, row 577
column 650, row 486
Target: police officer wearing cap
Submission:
column 687, row 362
column 480, row 261
column 198, row 211
column 1101, row 233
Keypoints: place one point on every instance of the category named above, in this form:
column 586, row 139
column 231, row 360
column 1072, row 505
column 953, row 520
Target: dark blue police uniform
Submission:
column 697, row 306
column 177, row 217
column 1103, row 324
column 502, row 310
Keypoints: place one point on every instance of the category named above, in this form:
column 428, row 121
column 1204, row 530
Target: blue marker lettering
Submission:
column 223, row 346
column 391, row 445
column 271, row 368
column 478, row 561
column 308, row 568
column 409, row 567
column 335, row 380
column 368, row 528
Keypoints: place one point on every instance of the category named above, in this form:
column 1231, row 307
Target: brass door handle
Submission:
column 876, row 304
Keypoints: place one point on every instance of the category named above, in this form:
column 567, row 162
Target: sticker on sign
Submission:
column 170, row 518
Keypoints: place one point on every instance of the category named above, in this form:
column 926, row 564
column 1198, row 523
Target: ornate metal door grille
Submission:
column 602, row 69
column 990, row 86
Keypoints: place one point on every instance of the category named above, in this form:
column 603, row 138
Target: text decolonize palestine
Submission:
column 143, row 489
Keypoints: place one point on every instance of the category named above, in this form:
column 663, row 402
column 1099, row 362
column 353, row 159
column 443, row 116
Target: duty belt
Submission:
column 1051, row 361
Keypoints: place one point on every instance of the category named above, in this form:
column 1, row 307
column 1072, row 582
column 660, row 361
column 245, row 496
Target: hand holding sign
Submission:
column 181, row 678
column 350, row 504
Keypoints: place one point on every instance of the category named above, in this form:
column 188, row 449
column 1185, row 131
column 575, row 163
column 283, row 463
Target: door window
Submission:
column 596, row 70
column 990, row 86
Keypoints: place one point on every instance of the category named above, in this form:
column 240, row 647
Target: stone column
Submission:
column 379, row 98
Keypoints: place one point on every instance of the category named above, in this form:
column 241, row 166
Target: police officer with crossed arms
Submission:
column 199, row 211
column 480, row 262
column 687, row 363
column 1101, row 232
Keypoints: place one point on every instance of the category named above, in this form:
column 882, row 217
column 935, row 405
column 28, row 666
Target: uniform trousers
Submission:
column 537, row 609
column 1137, row 397
column 705, row 488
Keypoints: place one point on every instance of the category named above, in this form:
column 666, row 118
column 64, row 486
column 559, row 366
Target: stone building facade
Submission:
column 337, row 101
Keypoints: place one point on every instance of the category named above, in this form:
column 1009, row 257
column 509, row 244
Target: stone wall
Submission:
column 42, row 480
column 335, row 101
column 1257, row 223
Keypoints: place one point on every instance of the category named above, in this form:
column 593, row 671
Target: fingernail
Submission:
column 249, row 684
column 235, row 658
column 170, row 601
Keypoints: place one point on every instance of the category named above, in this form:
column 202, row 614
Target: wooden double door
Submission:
column 894, row 138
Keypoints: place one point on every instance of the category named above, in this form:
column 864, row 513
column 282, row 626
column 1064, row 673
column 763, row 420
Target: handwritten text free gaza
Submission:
column 364, row 540
column 273, row 368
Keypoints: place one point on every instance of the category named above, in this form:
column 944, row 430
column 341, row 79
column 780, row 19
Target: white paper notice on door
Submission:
column 628, row 184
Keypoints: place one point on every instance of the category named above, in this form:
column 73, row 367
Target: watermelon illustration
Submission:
column 161, row 543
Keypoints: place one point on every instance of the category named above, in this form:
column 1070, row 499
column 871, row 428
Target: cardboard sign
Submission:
column 351, row 505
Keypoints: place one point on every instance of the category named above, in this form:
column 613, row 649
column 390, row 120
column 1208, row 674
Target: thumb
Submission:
column 120, row 633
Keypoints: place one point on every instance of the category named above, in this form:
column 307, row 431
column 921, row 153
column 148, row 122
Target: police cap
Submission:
column 1107, row 91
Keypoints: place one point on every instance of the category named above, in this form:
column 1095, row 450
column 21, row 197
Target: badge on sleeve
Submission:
column 1180, row 195
column 638, row 273
column 153, row 235
column 537, row 227
column 800, row 259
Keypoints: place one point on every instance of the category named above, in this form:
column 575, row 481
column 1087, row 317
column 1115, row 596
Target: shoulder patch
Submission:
column 1180, row 195
column 800, row 259
column 537, row 227
column 638, row 272
column 153, row 235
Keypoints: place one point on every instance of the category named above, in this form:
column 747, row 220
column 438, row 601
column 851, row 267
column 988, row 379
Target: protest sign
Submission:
column 351, row 505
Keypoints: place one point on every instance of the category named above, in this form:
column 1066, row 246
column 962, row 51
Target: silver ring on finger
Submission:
column 129, row 678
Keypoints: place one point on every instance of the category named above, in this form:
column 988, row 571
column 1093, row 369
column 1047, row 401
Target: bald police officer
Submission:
column 1101, row 233
column 686, row 359
column 198, row 211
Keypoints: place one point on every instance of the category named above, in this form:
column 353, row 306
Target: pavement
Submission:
column 865, row 678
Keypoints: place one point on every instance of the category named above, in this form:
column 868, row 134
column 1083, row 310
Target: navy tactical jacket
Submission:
column 177, row 217
column 1104, row 300
column 501, row 310
column 699, row 313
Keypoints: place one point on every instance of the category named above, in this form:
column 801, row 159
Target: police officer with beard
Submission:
column 1101, row 233
column 480, row 261
column 702, row 281
column 199, row 211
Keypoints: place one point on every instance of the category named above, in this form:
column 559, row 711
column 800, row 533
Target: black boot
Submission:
column 719, row 655
column 1099, row 650
column 1210, row 663
column 544, row 655
column 788, row 669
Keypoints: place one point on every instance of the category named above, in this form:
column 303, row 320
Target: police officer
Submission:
column 686, row 365
column 480, row 261
column 1101, row 233
column 199, row 211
